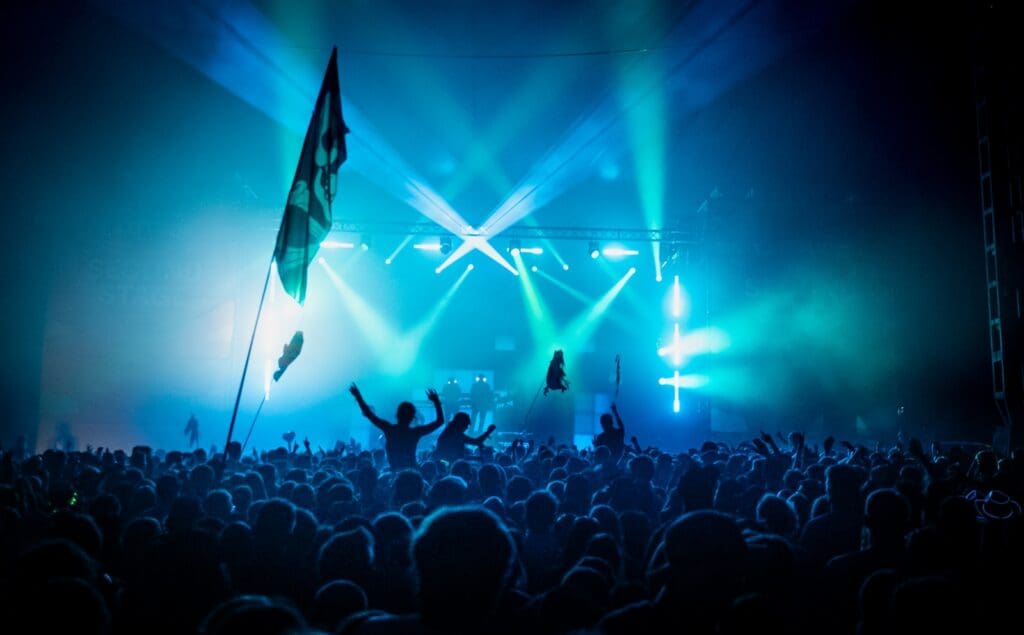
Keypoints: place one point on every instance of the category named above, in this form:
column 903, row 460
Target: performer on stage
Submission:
column 452, row 442
column 611, row 437
column 192, row 431
column 481, row 399
column 400, row 438
column 556, row 379
column 451, row 396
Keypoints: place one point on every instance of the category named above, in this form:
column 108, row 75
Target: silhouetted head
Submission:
column 252, row 614
column 707, row 554
column 463, row 560
column 887, row 516
column 540, row 511
column 408, row 487
column 874, row 599
column 80, row 607
column 449, row 491
column 460, row 421
column 843, row 485
column 777, row 515
column 347, row 556
column 606, row 422
column 406, row 413
column 392, row 535
column 335, row 601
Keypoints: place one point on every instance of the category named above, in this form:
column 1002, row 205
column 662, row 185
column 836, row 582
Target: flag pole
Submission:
column 253, row 424
column 248, row 355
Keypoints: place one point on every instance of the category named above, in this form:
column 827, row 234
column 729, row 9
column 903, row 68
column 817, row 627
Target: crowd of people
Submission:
column 771, row 535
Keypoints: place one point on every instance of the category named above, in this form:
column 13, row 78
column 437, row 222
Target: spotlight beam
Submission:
column 537, row 314
column 571, row 338
column 550, row 176
column 583, row 298
column 237, row 47
column 469, row 243
column 397, row 350
column 402, row 245
column 427, row 323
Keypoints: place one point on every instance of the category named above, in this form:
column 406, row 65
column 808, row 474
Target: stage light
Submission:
column 364, row 242
column 656, row 253
column 565, row 267
column 513, row 247
column 427, row 246
column 446, row 245
column 540, row 328
column 536, row 251
column 321, row 260
column 394, row 254
column 334, row 244
column 632, row 270
column 595, row 253
column 533, row 268
column 437, row 270
column 470, row 267
column 675, row 382
column 676, row 348
column 618, row 252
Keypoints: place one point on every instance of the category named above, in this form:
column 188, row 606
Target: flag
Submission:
column 289, row 354
column 307, row 215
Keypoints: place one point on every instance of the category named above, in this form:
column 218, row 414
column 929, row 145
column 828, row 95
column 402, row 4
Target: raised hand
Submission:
column 354, row 390
column 305, row 443
column 433, row 397
column 615, row 408
column 829, row 442
column 492, row 428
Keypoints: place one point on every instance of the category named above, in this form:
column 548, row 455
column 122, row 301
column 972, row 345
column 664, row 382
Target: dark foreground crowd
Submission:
column 771, row 536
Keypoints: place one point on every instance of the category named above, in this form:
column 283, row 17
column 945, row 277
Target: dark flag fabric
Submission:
column 307, row 215
column 289, row 354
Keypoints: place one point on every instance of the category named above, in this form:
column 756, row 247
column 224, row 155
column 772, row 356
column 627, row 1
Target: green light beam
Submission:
column 536, row 315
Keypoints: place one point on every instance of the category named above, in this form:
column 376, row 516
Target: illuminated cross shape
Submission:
column 678, row 381
column 675, row 348
column 675, row 381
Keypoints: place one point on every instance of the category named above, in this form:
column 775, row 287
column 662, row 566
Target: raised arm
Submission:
column 618, row 419
column 480, row 440
column 365, row 408
column 439, row 421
